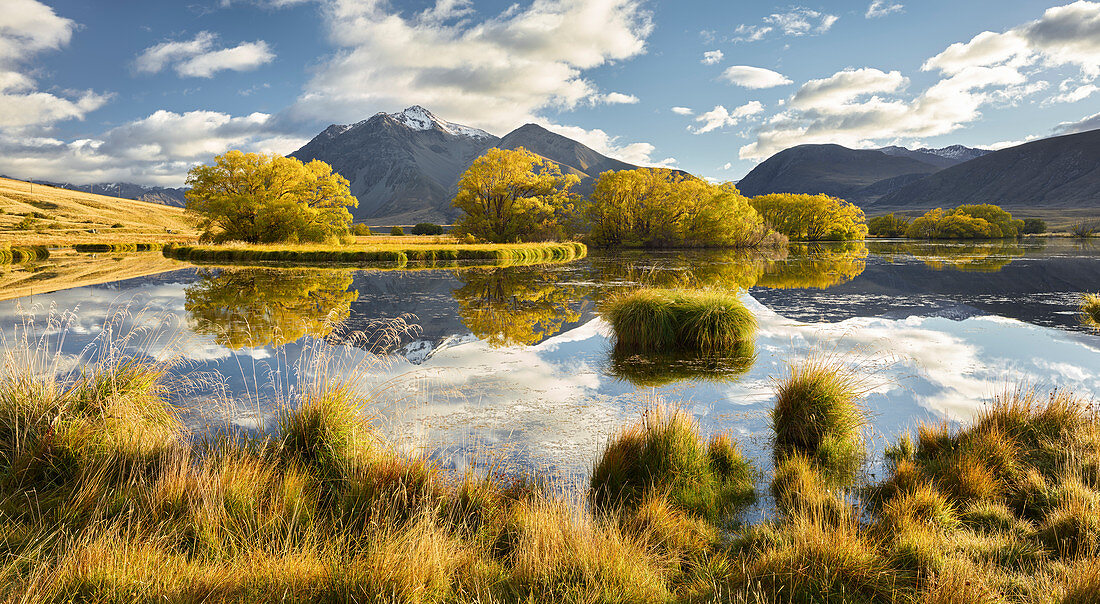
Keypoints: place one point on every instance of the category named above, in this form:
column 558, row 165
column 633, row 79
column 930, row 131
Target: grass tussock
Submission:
column 817, row 413
column 11, row 254
column 706, row 321
column 1090, row 310
column 665, row 455
column 397, row 253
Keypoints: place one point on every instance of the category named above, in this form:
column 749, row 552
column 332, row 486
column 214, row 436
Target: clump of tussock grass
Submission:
column 706, row 321
column 817, row 413
column 10, row 254
column 1090, row 310
column 664, row 454
column 800, row 488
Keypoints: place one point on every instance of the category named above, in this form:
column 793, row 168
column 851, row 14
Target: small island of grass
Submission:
column 661, row 320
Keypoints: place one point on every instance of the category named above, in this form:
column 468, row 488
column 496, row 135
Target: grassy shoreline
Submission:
column 104, row 499
column 397, row 253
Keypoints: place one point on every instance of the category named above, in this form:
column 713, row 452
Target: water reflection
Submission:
column 983, row 257
column 508, row 306
column 816, row 266
column 255, row 307
column 656, row 370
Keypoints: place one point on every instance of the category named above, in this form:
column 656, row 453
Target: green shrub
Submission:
column 664, row 455
column 1033, row 226
column 427, row 228
column 360, row 229
column 397, row 231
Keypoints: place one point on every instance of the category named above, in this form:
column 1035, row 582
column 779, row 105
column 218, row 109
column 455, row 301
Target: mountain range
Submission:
column 127, row 190
column 861, row 176
column 404, row 167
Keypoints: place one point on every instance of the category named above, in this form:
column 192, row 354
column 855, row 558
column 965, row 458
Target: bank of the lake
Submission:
column 434, row 252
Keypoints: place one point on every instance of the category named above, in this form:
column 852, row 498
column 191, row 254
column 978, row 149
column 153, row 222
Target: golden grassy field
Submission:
column 42, row 215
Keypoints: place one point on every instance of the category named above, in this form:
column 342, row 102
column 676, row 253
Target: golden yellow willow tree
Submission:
column 256, row 307
column 514, row 194
column 812, row 217
column 260, row 198
column 657, row 207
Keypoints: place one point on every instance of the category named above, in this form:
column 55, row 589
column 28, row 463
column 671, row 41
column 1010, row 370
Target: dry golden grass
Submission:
column 64, row 217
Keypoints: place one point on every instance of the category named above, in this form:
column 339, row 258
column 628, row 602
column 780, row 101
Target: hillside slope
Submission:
column 66, row 215
column 829, row 169
column 1057, row 173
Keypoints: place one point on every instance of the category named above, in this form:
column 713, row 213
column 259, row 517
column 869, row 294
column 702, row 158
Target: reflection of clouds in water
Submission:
column 553, row 403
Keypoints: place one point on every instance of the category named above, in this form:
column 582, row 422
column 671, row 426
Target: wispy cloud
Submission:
column 754, row 77
column 881, row 8
column 720, row 117
column 199, row 58
column 712, row 57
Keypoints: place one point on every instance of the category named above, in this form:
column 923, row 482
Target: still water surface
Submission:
column 513, row 364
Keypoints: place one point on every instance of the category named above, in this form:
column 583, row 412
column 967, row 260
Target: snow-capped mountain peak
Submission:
column 419, row 118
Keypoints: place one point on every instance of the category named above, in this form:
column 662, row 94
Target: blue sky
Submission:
column 125, row 90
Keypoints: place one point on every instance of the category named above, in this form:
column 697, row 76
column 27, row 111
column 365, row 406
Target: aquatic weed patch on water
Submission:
column 431, row 254
column 1090, row 310
column 706, row 321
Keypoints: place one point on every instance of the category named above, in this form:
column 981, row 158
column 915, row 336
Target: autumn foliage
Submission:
column 812, row 217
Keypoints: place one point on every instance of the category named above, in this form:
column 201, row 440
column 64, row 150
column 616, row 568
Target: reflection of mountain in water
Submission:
column 1038, row 290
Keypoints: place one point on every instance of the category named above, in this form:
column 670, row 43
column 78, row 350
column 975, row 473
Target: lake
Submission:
column 513, row 365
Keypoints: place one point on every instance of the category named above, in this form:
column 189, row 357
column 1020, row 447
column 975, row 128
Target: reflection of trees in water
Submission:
column 255, row 307
column 818, row 266
column 515, row 305
column 807, row 265
column 982, row 257
column 655, row 370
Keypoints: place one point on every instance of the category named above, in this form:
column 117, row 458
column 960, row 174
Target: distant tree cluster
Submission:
column 974, row 221
column 655, row 207
column 260, row 198
column 804, row 217
column 427, row 228
column 887, row 226
column 512, row 195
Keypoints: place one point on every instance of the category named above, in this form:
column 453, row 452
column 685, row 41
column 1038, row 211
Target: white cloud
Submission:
column 495, row 73
column 864, row 107
column 199, row 59
column 754, row 77
column 712, row 57
column 635, row 153
column 1076, row 94
column 720, row 117
column 616, row 98
column 27, row 28
column 796, row 21
column 844, row 86
column 726, row 166
column 881, row 8
column 751, row 33
column 1064, row 35
column 155, row 150
column 1091, row 122
column 682, row 111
